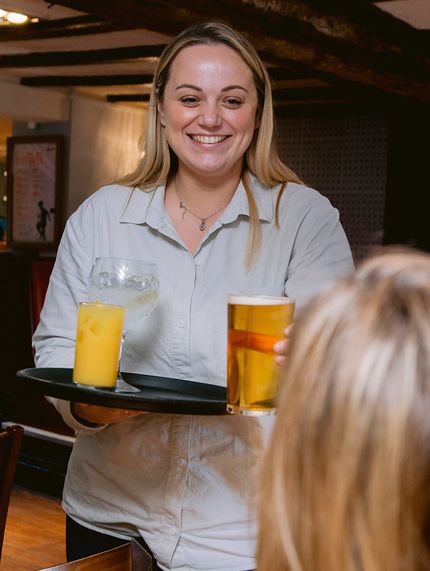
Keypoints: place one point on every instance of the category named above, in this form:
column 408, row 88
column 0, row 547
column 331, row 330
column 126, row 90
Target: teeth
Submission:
column 207, row 139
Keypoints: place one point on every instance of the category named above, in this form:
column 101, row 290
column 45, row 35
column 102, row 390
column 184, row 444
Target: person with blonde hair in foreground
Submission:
column 346, row 477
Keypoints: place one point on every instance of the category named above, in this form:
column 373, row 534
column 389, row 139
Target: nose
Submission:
column 209, row 115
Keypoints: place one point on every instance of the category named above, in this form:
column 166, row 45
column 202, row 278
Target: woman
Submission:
column 346, row 476
column 212, row 204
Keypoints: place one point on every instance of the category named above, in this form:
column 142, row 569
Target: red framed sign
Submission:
column 34, row 187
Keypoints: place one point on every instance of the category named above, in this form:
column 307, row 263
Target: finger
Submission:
column 280, row 360
column 118, row 414
column 288, row 330
column 280, row 347
column 136, row 412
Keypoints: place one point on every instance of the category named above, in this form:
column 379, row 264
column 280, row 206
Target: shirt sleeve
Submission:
column 321, row 252
column 54, row 338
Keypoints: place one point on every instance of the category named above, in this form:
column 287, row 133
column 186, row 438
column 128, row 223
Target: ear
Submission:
column 161, row 112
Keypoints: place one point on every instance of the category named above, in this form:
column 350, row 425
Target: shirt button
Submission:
column 181, row 323
column 181, row 462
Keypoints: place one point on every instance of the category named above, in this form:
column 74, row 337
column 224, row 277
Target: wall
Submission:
column 344, row 158
column 103, row 145
column 22, row 103
column 101, row 142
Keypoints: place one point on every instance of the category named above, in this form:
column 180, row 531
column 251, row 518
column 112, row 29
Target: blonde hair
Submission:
column 346, row 478
column 159, row 162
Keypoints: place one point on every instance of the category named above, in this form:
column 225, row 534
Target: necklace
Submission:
column 202, row 225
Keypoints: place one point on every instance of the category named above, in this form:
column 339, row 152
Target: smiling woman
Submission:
column 209, row 110
column 213, row 205
column 207, row 69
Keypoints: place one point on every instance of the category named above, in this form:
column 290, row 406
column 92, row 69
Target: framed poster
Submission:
column 34, row 188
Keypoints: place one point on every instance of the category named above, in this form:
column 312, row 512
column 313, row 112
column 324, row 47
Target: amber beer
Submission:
column 255, row 324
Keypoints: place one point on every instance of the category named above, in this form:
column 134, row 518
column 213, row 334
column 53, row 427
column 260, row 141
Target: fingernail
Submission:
column 278, row 345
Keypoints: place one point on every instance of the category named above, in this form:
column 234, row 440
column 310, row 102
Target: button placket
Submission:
column 182, row 307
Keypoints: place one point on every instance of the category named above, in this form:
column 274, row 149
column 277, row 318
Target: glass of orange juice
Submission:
column 98, row 343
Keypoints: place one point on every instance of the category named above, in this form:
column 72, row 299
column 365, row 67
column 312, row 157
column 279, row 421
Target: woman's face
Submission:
column 209, row 110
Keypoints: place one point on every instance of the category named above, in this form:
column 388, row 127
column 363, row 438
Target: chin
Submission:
column 211, row 168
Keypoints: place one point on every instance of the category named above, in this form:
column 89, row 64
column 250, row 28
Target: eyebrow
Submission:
column 228, row 88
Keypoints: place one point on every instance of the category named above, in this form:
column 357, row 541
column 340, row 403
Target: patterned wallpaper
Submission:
column 344, row 158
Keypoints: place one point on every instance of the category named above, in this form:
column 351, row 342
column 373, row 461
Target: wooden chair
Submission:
column 128, row 557
column 10, row 444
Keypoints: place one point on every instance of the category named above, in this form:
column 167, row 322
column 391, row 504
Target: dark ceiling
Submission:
column 318, row 52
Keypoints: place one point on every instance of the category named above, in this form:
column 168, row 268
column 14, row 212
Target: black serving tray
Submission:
column 156, row 394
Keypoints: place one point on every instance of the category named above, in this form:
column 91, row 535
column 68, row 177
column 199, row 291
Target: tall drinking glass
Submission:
column 98, row 343
column 132, row 284
column 255, row 324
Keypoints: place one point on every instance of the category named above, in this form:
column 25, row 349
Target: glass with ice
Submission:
column 98, row 343
column 132, row 284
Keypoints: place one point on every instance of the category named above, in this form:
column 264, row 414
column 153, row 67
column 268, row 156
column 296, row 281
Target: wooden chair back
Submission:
column 128, row 557
column 10, row 445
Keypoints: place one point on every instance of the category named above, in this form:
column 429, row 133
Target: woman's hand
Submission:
column 280, row 347
column 94, row 414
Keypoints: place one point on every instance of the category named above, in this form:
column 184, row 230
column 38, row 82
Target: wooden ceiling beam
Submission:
column 66, row 27
column 313, row 93
column 128, row 97
column 88, row 80
column 133, row 79
column 356, row 46
column 87, row 57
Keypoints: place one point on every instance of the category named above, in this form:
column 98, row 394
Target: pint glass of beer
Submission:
column 255, row 324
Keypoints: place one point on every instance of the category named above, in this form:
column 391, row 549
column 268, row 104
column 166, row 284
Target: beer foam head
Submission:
column 259, row 300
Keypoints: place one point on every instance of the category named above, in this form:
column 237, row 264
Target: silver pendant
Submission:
column 202, row 226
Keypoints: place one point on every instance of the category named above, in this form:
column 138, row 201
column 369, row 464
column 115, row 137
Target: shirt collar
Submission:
column 147, row 207
column 263, row 196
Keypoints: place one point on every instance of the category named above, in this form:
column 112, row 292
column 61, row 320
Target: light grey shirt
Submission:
column 185, row 483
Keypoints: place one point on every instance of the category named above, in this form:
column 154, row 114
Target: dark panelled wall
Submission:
column 373, row 166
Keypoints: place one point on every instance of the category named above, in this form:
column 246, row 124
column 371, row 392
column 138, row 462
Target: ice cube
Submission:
column 104, row 279
column 142, row 282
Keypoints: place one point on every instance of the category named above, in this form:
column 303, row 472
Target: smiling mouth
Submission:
column 208, row 139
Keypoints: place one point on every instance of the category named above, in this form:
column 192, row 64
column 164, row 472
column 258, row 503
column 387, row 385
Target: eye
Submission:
column 189, row 100
column 232, row 102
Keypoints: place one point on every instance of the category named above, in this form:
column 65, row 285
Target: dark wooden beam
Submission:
column 89, row 80
column 315, row 93
column 290, row 70
column 128, row 97
column 101, row 80
column 356, row 44
column 46, row 29
column 87, row 57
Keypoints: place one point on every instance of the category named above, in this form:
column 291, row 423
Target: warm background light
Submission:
column 7, row 17
column 15, row 18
